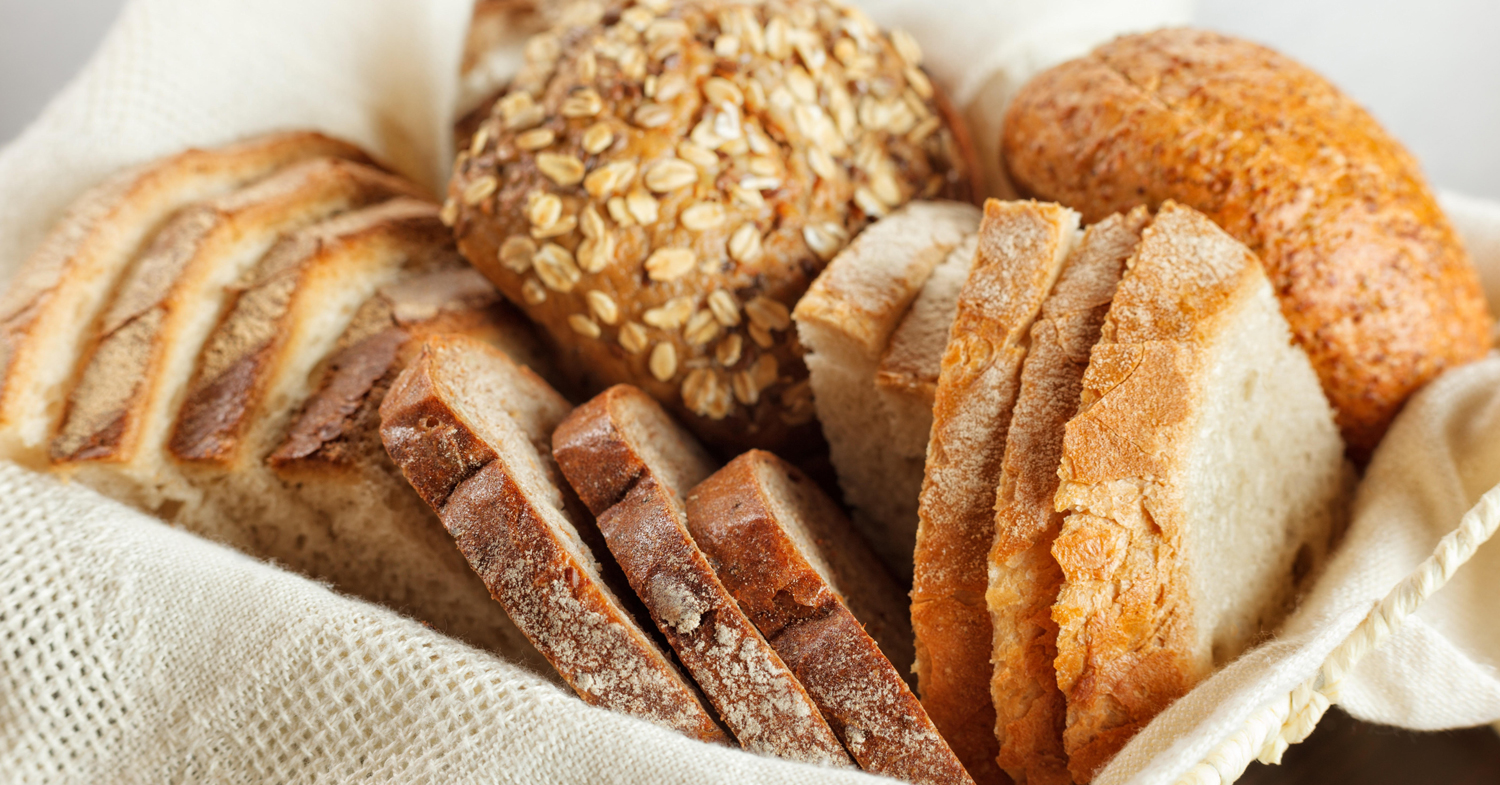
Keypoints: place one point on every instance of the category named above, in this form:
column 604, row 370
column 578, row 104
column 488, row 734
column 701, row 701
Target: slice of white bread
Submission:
column 797, row 568
column 1021, row 249
column 48, row 313
column 122, row 407
column 1204, row 480
column 631, row 464
column 845, row 320
column 913, row 359
column 1023, row 576
column 386, row 543
column 471, row 431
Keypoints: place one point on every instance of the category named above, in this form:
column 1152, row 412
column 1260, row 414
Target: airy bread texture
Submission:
column 122, row 407
column 470, row 430
column 632, row 465
column 1024, row 578
column 1203, row 479
column 50, row 309
column 1022, row 246
column 1372, row 278
column 791, row 560
column 846, row 320
column 662, row 183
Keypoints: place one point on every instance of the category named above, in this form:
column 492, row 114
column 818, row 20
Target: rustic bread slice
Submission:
column 792, row 561
column 632, row 465
column 1022, row 246
column 1023, row 577
column 119, row 412
column 387, row 544
column 845, row 320
column 48, row 313
column 470, row 430
column 1203, row 477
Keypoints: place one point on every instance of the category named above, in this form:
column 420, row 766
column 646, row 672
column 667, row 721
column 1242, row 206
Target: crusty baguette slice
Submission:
column 1023, row 577
column 1022, row 246
column 632, row 465
column 1204, row 480
column 289, row 312
column 49, row 310
column 120, row 411
column 470, row 430
column 386, row 544
column 791, row 560
column 845, row 320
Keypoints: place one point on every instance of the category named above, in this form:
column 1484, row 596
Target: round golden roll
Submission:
column 1371, row 276
column 661, row 182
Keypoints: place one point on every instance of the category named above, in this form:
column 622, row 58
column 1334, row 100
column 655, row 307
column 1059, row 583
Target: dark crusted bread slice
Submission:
column 632, row 465
column 390, row 546
column 49, row 310
column 1203, row 479
column 1024, row 578
column 120, row 411
column 794, row 564
column 1022, row 246
column 470, row 430
column 845, row 320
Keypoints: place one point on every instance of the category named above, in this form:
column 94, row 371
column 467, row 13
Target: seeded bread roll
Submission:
column 662, row 183
column 1375, row 284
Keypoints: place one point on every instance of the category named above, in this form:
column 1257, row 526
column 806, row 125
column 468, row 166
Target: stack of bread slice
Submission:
column 206, row 337
column 1130, row 474
column 749, row 572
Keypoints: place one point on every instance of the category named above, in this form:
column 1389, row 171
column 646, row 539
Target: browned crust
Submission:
column 1024, row 577
column 856, row 687
column 509, row 542
column 1020, row 253
column 1374, row 282
column 712, row 389
column 240, row 357
column 640, row 515
column 120, row 381
column 1126, row 643
column 93, row 242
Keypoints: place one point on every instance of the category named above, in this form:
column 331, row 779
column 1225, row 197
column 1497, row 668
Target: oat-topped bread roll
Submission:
column 661, row 183
column 1374, row 282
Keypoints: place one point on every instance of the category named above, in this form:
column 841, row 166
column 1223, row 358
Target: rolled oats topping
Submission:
column 664, row 178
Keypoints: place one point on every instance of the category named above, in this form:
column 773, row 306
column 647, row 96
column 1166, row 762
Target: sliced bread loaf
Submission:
column 1203, row 479
column 471, row 431
column 1021, row 249
column 49, row 311
column 122, row 407
column 386, row 544
column 1023, row 576
column 846, row 320
column 794, row 564
column 632, row 465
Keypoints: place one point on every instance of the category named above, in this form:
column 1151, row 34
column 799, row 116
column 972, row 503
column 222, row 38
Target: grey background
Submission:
column 1428, row 69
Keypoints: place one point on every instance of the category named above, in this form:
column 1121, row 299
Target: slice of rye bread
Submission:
column 797, row 568
column 632, row 465
column 1204, row 480
column 49, row 311
column 1022, row 246
column 119, row 412
column 387, row 544
column 1023, row 577
column 845, row 320
column 471, row 430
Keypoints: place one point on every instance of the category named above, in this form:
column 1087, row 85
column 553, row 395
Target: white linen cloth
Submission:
column 131, row 652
